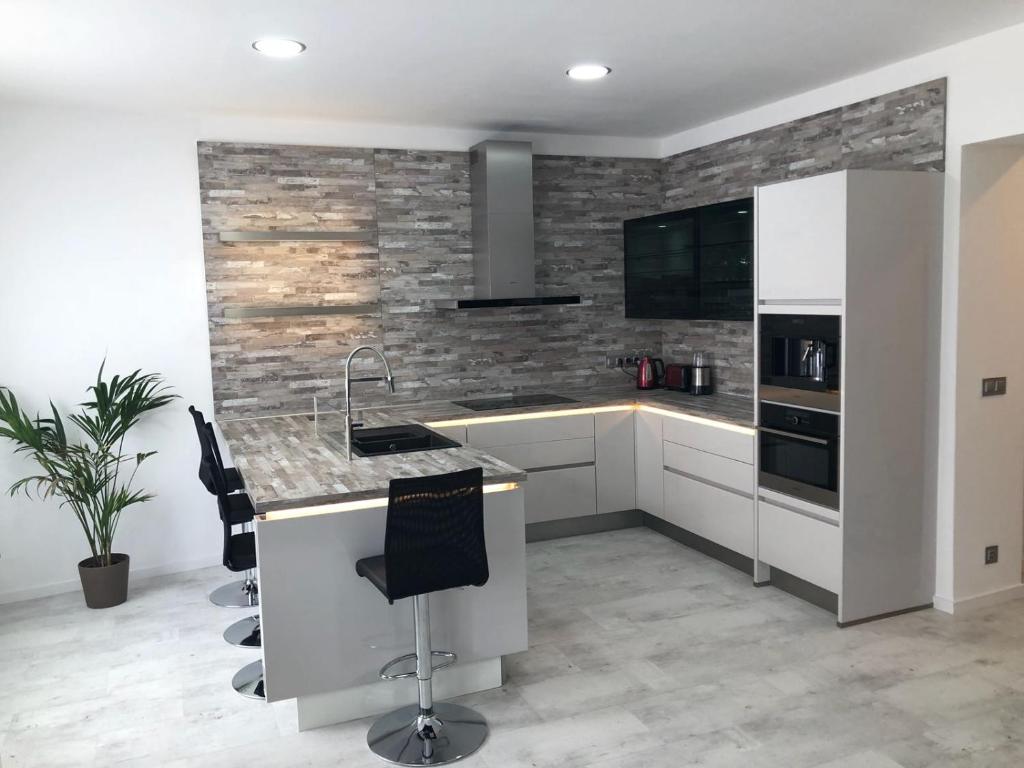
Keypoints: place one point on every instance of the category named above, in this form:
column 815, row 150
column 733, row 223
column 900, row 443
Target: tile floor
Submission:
column 643, row 654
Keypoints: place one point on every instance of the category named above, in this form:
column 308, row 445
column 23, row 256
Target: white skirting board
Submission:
column 984, row 600
column 137, row 576
column 320, row 709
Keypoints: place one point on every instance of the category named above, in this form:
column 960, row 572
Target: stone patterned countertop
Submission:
column 732, row 409
column 286, row 465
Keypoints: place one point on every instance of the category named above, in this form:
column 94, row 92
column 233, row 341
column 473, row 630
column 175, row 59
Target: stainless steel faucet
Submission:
column 349, row 381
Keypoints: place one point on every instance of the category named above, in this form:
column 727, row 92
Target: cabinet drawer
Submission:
column 537, row 430
column 799, row 545
column 555, row 494
column 711, row 467
column 738, row 446
column 721, row 516
column 556, row 453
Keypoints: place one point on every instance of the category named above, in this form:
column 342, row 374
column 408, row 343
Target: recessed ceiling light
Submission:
column 587, row 71
column 278, row 47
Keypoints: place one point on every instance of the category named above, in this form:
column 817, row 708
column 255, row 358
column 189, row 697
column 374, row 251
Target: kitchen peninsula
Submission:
column 326, row 633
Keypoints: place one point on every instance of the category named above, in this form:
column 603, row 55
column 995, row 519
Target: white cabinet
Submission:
column 718, row 470
column 558, row 452
column 554, row 453
column 616, row 472
column 714, row 513
column 649, row 463
column 736, row 444
column 539, row 430
column 555, row 494
column 801, row 240
column 709, row 482
column 799, row 544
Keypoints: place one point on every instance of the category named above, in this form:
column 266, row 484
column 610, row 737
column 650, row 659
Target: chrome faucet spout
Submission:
column 388, row 379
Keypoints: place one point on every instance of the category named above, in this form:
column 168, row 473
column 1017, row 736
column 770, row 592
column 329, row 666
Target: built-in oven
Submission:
column 799, row 453
column 800, row 354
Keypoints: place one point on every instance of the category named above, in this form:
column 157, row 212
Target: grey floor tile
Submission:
column 643, row 654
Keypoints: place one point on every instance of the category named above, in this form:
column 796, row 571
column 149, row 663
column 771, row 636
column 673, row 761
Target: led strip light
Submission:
column 350, row 506
column 597, row 409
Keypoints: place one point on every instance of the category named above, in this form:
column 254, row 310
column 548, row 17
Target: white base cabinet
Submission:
column 650, row 462
column 556, row 494
column 714, row 513
column 689, row 472
column 801, row 545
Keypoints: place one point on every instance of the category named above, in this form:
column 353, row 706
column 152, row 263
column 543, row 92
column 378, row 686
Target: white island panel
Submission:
column 328, row 631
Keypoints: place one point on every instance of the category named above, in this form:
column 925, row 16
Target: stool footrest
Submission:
column 386, row 675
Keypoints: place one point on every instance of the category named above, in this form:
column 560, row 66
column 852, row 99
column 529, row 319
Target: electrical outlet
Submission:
column 992, row 554
column 993, row 386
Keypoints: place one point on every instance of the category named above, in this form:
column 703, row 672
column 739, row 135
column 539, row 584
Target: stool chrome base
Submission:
column 248, row 681
column 458, row 732
column 244, row 633
column 237, row 594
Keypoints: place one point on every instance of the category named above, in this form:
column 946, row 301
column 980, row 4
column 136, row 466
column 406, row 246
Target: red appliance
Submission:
column 650, row 372
column 678, row 377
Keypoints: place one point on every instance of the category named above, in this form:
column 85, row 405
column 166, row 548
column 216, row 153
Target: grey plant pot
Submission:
column 104, row 586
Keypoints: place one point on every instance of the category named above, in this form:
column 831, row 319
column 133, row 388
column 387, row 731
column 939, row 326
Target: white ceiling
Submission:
column 480, row 64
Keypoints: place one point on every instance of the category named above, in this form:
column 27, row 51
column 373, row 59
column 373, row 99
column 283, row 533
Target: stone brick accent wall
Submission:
column 902, row 130
column 417, row 206
column 272, row 364
column 418, row 203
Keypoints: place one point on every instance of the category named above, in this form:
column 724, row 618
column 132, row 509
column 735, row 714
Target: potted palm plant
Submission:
column 92, row 476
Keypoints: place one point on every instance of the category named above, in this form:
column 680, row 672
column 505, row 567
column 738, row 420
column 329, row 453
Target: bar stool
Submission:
column 224, row 483
column 240, row 555
column 434, row 540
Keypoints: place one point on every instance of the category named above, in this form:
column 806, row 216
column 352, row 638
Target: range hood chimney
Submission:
column 501, row 181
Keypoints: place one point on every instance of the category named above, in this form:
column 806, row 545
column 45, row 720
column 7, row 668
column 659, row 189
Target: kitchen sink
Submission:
column 406, row 438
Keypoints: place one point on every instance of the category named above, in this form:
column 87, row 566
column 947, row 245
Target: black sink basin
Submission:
column 407, row 438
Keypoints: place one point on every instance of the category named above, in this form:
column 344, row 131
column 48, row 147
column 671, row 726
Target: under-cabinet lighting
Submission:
column 697, row 419
column 351, row 506
column 597, row 409
column 527, row 416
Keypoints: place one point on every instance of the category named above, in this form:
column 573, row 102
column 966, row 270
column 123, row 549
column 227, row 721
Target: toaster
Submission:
column 678, row 377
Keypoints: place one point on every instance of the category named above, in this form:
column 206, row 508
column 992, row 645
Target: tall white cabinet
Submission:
column 864, row 245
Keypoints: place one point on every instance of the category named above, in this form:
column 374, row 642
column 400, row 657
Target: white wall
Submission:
column 990, row 431
column 101, row 254
column 984, row 103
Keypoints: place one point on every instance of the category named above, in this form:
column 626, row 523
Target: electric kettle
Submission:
column 650, row 372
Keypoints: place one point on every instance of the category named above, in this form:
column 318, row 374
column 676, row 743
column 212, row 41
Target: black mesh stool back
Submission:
column 210, row 473
column 434, row 541
column 435, row 534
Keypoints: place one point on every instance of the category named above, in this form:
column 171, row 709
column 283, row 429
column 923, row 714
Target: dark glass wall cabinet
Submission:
column 696, row 264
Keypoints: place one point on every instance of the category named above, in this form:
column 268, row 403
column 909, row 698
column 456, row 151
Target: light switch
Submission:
column 995, row 386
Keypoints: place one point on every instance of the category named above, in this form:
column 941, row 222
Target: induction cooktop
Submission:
column 514, row 401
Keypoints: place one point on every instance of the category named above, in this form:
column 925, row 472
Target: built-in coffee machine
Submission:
column 799, row 406
column 801, row 352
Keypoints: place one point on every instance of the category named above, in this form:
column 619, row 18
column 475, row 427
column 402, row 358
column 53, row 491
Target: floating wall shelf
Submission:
column 523, row 301
column 280, row 236
column 296, row 311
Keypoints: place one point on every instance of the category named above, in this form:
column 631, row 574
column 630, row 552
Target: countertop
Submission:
column 286, row 465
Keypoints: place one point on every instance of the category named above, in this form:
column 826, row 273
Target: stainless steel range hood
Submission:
column 501, row 181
